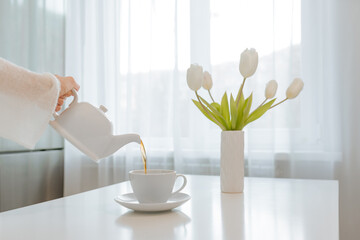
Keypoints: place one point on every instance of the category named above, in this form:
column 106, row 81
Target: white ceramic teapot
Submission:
column 88, row 129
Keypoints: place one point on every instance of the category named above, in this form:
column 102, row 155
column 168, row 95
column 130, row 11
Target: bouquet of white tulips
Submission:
column 235, row 113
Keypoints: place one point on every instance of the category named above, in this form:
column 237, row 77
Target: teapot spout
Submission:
column 127, row 138
column 118, row 142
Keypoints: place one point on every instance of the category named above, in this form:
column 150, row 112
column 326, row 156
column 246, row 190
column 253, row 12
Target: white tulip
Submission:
column 271, row 88
column 207, row 82
column 295, row 88
column 248, row 62
column 194, row 77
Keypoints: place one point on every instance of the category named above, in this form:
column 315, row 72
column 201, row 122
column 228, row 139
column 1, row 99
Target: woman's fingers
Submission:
column 68, row 94
column 67, row 84
column 60, row 101
column 58, row 108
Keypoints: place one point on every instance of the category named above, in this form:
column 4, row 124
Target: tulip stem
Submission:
column 263, row 102
column 210, row 115
column 260, row 105
column 279, row 103
column 211, row 96
column 240, row 92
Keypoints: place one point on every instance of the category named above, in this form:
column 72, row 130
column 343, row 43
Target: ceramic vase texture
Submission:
column 232, row 162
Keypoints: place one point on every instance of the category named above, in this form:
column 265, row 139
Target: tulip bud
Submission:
column 295, row 88
column 270, row 89
column 194, row 77
column 248, row 62
column 207, row 82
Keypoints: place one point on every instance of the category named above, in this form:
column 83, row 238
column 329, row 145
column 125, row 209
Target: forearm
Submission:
column 27, row 101
column 40, row 89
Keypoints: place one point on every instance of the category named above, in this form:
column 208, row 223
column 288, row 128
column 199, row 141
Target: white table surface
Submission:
column 268, row 209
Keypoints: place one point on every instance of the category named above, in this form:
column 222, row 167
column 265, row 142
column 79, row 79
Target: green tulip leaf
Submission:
column 243, row 112
column 211, row 118
column 224, row 110
column 210, row 106
column 247, row 106
column 240, row 114
column 216, row 105
column 233, row 112
column 215, row 112
column 259, row 112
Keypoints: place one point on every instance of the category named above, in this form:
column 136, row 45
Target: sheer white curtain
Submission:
column 340, row 21
column 132, row 56
column 331, row 36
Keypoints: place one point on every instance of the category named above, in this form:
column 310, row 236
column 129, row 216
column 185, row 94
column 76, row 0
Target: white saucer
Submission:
column 129, row 200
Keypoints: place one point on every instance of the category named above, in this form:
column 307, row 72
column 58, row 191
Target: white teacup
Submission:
column 155, row 186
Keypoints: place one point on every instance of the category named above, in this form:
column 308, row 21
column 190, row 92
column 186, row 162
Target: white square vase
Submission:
column 232, row 162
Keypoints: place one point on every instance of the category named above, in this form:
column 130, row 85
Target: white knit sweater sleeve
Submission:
column 27, row 101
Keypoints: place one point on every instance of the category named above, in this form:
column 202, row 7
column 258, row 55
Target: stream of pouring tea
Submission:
column 143, row 154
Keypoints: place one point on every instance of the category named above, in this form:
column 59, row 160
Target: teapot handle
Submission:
column 75, row 100
column 74, row 93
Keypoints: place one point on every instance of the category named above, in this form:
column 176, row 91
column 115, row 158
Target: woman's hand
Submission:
column 66, row 85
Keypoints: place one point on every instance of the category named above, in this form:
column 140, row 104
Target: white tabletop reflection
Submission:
column 268, row 209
